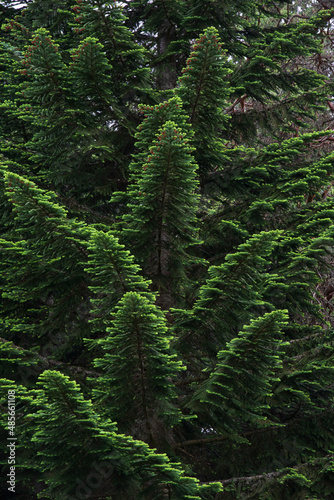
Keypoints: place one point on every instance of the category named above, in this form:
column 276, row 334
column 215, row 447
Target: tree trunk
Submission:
column 167, row 67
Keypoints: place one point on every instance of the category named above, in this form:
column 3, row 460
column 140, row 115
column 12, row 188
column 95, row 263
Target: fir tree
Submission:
column 232, row 295
column 114, row 273
column 204, row 91
column 137, row 369
column 161, row 224
column 242, row 380
column 166, row 248
column 112, row 463
column 42, row 247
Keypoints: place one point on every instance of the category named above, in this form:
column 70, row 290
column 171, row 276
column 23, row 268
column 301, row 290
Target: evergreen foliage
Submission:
column 137, row 367
column 162, row 222
column 117, row 274
column 166, row 241
column 38, row 251
column 243, row 376
column 204, row 98
column 111, row 463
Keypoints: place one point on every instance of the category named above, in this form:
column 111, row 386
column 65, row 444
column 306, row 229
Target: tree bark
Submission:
column 167, row 67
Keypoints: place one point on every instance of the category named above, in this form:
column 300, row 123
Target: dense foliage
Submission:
column 167, row 236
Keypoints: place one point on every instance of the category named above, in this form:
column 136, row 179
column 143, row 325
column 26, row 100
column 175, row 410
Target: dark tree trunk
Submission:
column 167, row 67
